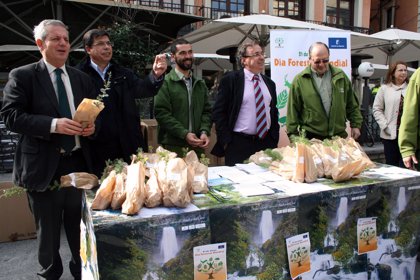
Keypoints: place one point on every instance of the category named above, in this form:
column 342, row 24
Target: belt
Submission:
column 247, row 136
column 72, row 153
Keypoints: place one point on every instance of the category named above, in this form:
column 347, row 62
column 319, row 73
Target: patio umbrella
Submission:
column 397, row 44
column 229, row 33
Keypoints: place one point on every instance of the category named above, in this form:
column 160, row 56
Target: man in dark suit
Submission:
column 120, row 135
column 39, row 101
column 245, row 111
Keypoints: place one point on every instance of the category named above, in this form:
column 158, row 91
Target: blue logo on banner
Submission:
column 337, row 43
column 220, row 246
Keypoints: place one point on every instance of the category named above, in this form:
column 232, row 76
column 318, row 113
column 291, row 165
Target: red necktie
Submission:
column 260, row 108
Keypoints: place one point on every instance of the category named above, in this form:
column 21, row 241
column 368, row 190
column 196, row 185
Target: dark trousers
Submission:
column 392, row 153
column 243, row 146
column 53, row 208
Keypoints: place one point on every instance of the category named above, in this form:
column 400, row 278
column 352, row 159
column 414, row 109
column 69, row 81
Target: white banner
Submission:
column 289, row 56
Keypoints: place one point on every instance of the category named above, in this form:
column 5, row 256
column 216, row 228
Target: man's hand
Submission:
column 355, row 133
column 89, row 130
column 68, row 127
column 160, row 65
column 192, row 140
column 205, row 141
column 410, row 161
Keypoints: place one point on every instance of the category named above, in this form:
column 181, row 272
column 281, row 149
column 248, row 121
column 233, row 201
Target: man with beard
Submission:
column 182, row 108
column 120, row 133
column 245, row 111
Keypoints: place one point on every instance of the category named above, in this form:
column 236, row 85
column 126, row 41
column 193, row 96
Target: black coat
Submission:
column 29, row 105
column 228, row 104
column 120, row 133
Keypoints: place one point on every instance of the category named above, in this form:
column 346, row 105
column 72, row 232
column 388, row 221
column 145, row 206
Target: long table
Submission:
column 159, row 245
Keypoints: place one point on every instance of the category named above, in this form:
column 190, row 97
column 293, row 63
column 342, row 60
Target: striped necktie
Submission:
column 67, row 142
column 260, row 108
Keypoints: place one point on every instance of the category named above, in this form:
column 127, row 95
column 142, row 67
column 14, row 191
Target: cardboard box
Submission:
column 16, row 220
column 149, row 128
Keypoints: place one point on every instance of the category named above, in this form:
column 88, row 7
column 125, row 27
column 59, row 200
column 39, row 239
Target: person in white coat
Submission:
column 387, row 110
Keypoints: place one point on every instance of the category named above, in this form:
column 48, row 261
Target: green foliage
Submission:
column 320, row 228
column 273, row 154
column 238, row 248
column 204, row 160
column 404, row 239
column 117, row 164
column 343, row 254
column 11, row 192
column 133, row 48
column 133, row 267
column 271, row 272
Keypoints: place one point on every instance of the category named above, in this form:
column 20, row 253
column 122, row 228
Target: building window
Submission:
column 340, row 12
column 289, row 8
column 227, row 7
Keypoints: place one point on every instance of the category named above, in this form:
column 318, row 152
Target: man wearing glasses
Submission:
column 322, row 99
column 245, row 111
column 120, row 133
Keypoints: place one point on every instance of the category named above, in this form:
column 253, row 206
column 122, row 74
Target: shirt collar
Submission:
column 97, row 69
column 181, row 75
column 249, row 75
column 51, row 68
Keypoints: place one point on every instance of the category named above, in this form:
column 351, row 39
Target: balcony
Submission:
column 210, row 14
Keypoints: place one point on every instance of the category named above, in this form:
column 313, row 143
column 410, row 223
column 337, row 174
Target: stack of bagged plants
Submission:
column 151, row 180
column 306, row 160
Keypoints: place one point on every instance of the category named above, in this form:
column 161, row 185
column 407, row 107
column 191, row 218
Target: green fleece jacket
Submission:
column 305, row 109
column 409, row 133
column 171, row 110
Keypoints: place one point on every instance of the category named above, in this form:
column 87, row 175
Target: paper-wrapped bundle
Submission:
column 200, row 179
column 299, row 174
column 87, row 111
column 135, row 190
column 153, row 191
column 311, row 170
column 345, row 167
column 329, row 159
column 152, row 160
column 286, row 166
column 317, row 154
column 119, row 191
column 163, row 183
column 357, row 152
column 104, row 194
column 80, row 180
column 197, row 174
column 177, row 189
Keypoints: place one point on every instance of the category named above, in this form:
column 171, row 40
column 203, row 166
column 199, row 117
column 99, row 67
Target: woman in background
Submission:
column 387, row 110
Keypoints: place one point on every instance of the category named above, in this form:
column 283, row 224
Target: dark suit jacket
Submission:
column 29, row 105
column 228, row 104
column 120, row 120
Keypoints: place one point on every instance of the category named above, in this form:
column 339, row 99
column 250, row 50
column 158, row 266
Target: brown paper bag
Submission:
column 134, row 186
column 119, row 191
column 177, row 189
column 104, row 194
column 87, row 111
column 153, row 191
column 81, row 180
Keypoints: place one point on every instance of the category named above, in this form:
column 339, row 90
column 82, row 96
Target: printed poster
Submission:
column 210, row 262
column 299, row 252
column 367, row 240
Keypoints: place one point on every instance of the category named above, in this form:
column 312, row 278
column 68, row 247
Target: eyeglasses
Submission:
column 325, row 61
column 255, row 55
column 103, row 44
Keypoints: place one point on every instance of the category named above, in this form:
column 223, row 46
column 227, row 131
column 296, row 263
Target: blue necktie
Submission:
column 67, row 142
